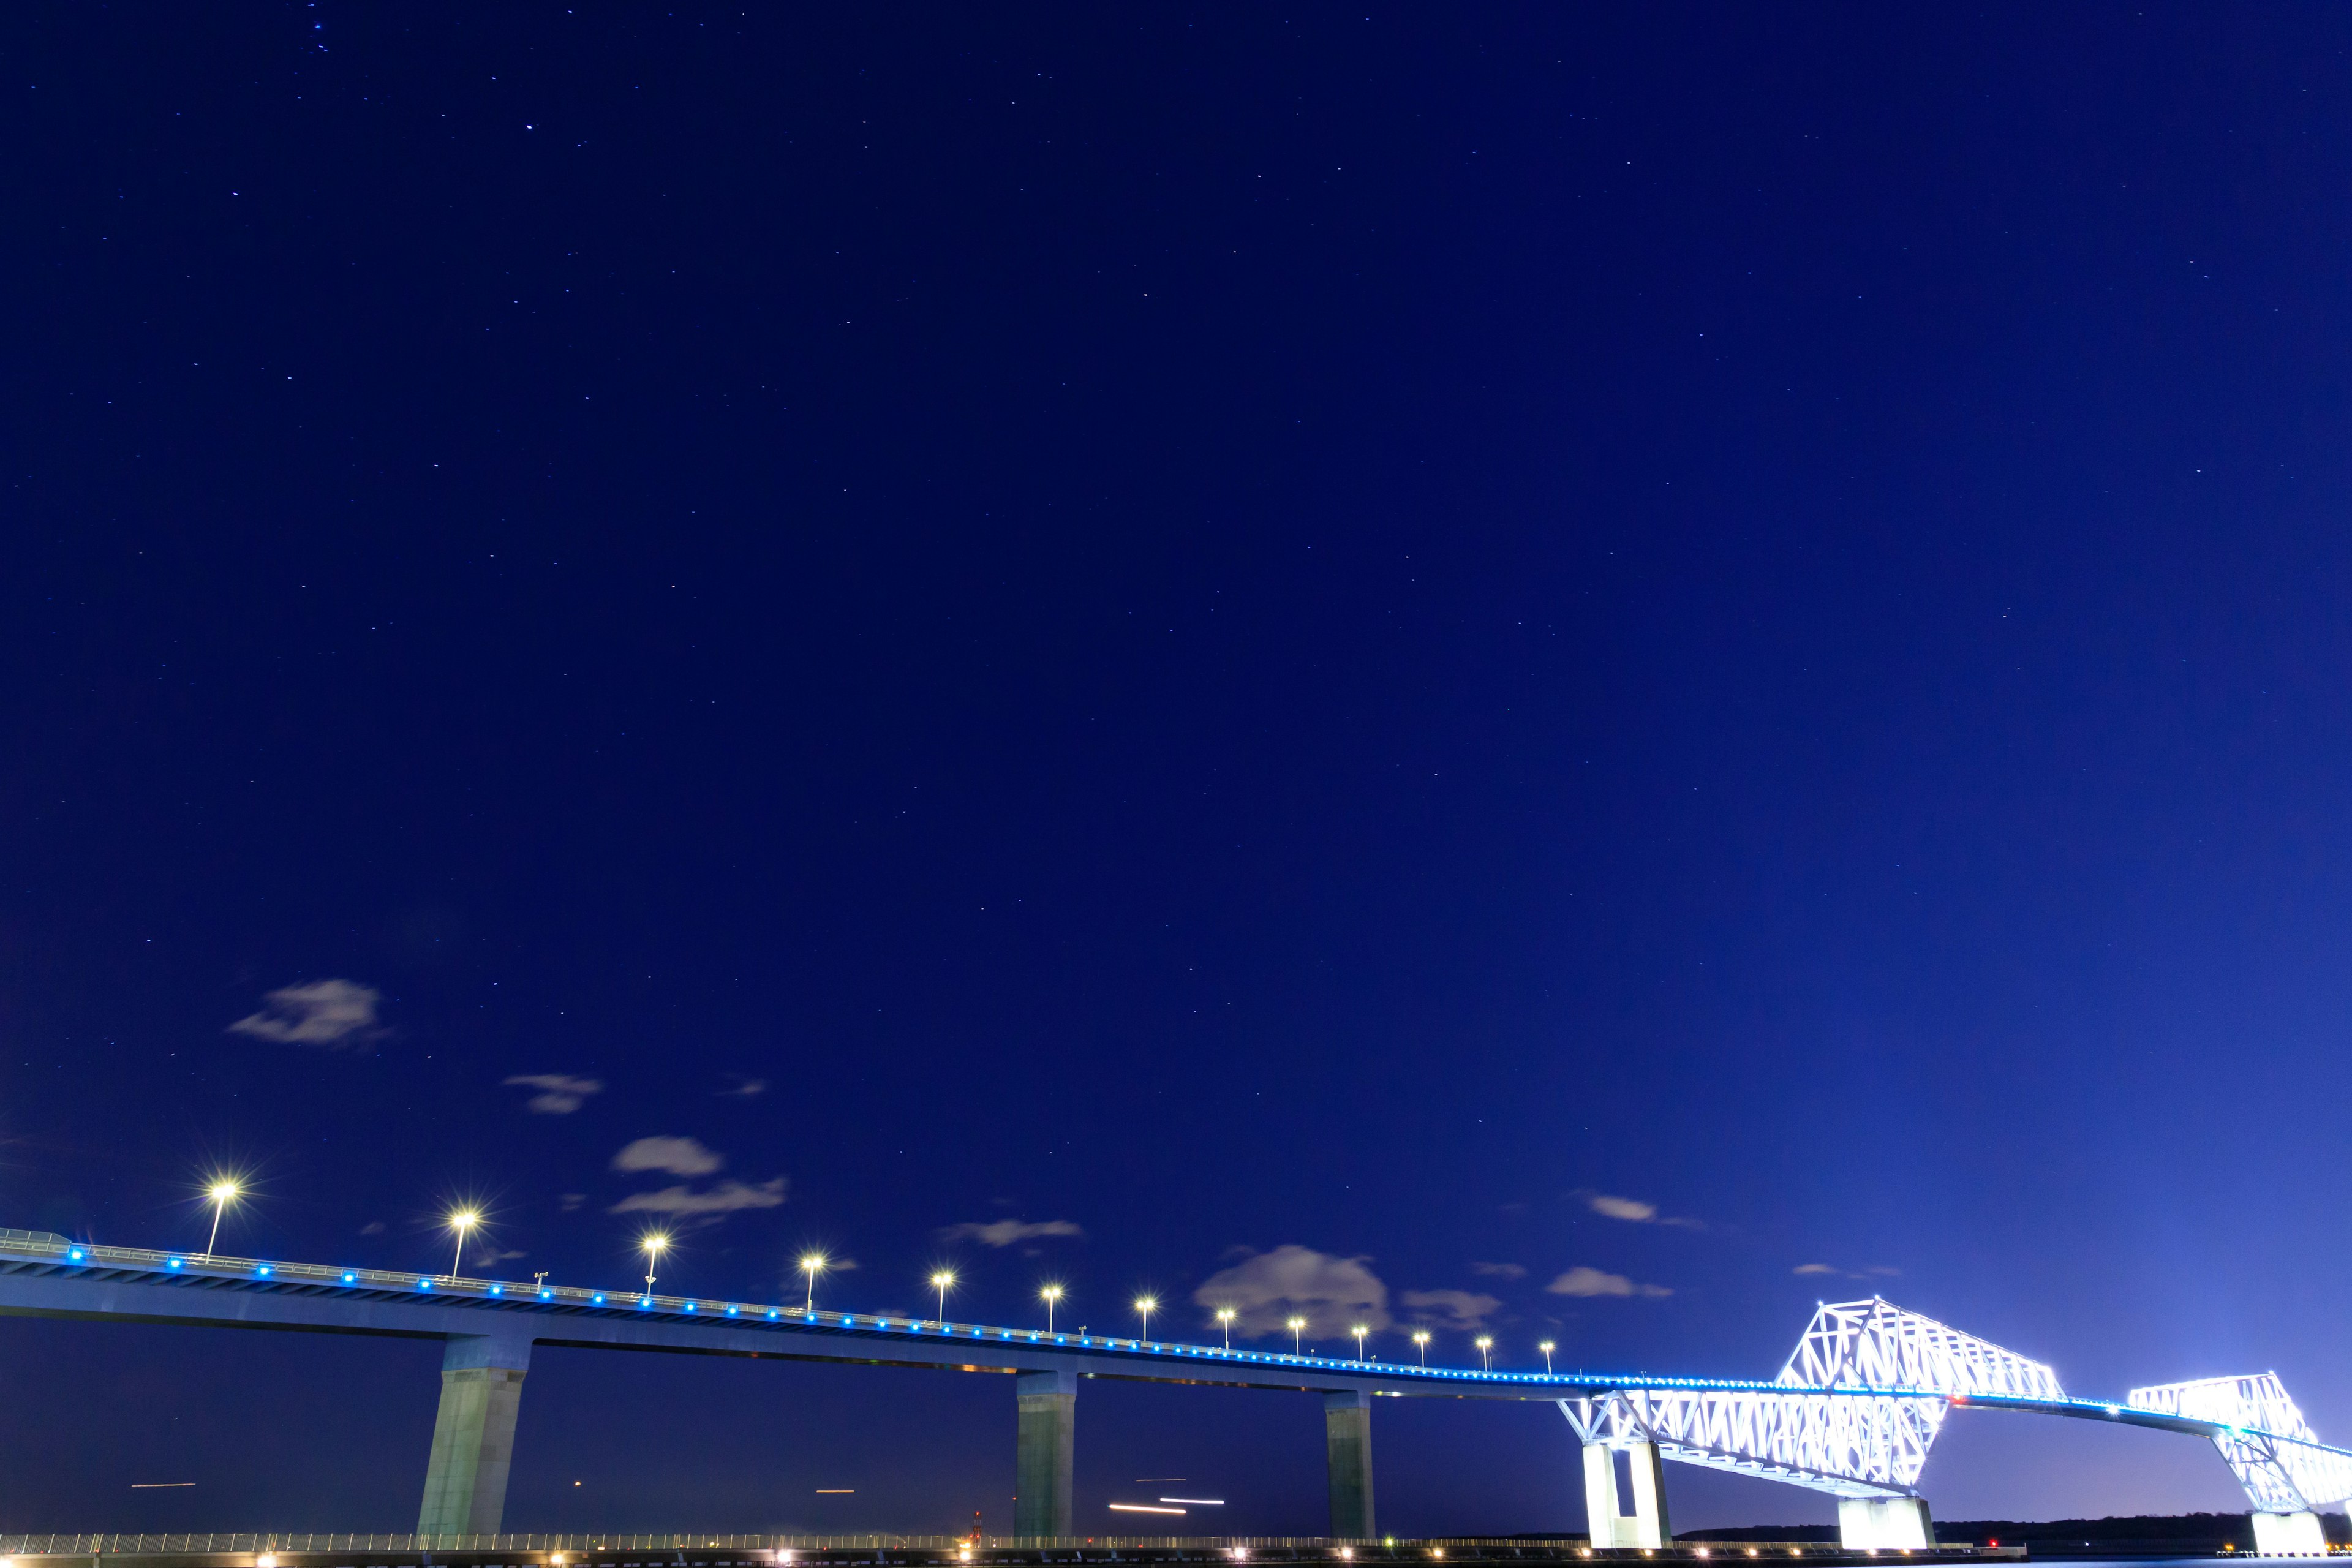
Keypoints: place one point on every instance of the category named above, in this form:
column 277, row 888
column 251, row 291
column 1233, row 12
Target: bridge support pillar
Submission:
column 1872, row 1524
column 1044, row 1448
column 473, row 1434
column 2289, row 1535
column 1646, row 1525
column 1347, row 1455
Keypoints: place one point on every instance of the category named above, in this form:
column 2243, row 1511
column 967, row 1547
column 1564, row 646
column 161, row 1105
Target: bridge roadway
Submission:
column 488, row 1329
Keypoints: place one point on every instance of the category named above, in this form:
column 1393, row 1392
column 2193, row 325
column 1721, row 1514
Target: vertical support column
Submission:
column 1650, row 1526
column 1600, row 1496
column 1646, row 1525
column 2289, row 1535
column 473, row 1434
column 1043, row 1451
column 1347, row 1455
column 1871, row 1524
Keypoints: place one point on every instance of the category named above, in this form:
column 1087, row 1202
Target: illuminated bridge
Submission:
column 1853, row 1414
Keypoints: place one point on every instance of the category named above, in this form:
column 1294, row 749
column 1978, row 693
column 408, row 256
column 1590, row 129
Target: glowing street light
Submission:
column 1145, row 1305
column 812, row 1264
column 222, row 1194
column 1546, row 1347
column 1485, row 1350
column 1420, row 1339
column 1051, row 1294
column 463, row 1221
column 1226, row 1321
column 939, row 1282
column 1296, row 1326
column 1360, row 1331
column 653, row 1245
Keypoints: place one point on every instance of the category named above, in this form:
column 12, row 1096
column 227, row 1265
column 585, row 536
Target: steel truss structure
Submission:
column 1853, row 1412
column 2266, row 1443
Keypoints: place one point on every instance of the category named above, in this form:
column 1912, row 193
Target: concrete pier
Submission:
column 473, row 1434
column 1347, row 1455
column 1893, row 1524
column 2289, row 1535
column 1646, row 1526
column 1042, row 1449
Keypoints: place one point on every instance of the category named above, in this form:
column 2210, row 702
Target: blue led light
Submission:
column 731, row 1311
column 424, row 1284
column 771, row 1311
column 645, row 1301
column 597, row 1299
column 263, row 1269
column 547, row 1295
column 173, row 1264
column 75, row 1255
column 498, row 1290
column 690, row 1306
column 349, row 1277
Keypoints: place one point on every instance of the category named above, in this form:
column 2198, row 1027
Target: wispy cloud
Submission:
column 1634, row 1211
column 571, row 1203
column 1583, row 1281
column 745, row 1087
column 678, row 1156
column 1812, row 1268
column 1464, row 1311
column 331, row 1012
column 729, row 1196
column 1499, row 1270
column 1006, row 1232
column 1876, row 1271
column 1266, row 1289
column 560, row 1094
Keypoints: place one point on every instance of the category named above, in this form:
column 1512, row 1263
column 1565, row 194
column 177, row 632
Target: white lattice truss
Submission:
column 1865, row 1396
column 2266, row 1442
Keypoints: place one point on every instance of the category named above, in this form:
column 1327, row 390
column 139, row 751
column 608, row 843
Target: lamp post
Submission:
column 1485, row 1352
column 1546, row 1347
column 1359, row 1330
column 653, row 1246
column 461, row 1222
column 1296, row 1326
column 1051, row 1293
column 1144, row 1307
column 1226, row 1321
column 812, row 1265
column 222, row 1194
column 1420, row 1339
column 939, row 1282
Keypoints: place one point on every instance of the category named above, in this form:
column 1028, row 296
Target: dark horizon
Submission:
column 1581, row 676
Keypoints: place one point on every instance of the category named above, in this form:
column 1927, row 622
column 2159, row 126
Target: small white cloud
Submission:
column 560, row 1094
column 1499, row 1270
column 1812, row 1268
column 729, row 1196
column 1632, row 1209
column 745, row 1087
column 498, row 1257
column 678, row 1156
column 1006, row 1232
column 1268, row 1289
column 1583, row 1281
column 567, row 1201
column 1464, row 1311
column 373, row 1227
column 331, row 1012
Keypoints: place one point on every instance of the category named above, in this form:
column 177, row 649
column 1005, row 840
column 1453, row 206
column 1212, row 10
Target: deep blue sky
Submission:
column 1220, row 630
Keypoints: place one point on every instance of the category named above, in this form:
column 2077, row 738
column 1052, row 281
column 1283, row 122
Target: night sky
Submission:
column 1584, row 673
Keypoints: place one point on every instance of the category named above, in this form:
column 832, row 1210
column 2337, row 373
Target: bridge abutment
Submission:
column 1646, row 1526
column 1890, row 1524
column 1043, row 1449
column 2289, row 1535
column 473, row 1434
column 1348, row 1455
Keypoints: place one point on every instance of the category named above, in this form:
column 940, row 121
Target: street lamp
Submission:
column 1360, row 1331
column 1226, row 1321
column 222, row 1194
column 1420, row 1339
column 1546, row 1347
column 1052, row 1294
column 939, row 1282
column 461, row 1222
column 812, row 1265
column 653, row 1246
column 1145, row 1305
column 1296, row 1326
column 1486, row 1349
